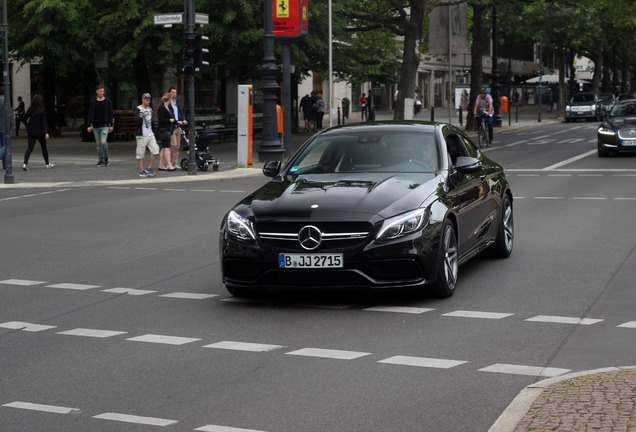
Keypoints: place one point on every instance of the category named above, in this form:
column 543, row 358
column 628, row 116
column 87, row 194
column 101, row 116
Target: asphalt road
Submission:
column 113, row 316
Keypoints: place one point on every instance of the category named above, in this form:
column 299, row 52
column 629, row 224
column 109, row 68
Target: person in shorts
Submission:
column 145, row 136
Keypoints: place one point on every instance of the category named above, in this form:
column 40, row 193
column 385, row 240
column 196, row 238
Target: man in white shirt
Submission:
column 145, row 136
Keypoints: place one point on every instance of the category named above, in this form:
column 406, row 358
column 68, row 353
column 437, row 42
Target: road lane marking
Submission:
column 524, row 370
column 40, row 407
column 160, row 339
column 563, row 320
column 477, row 314
column 185, row 295
column 569, row 161
column 21, row 282
column 24, row 326
column 92, row 333
column 216, row 428
column 126, row 418
column 244, row 346
column 549, row 198
column 128, row 291
column 399, row 309
column 422, row 362
column 629, row 324
column 589, row 198
column 79, row 287
column 328, row 353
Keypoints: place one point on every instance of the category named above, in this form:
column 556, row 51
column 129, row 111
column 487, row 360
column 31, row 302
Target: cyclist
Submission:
column 483, row 107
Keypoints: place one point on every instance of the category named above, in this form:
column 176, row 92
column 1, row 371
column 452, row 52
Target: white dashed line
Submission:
column 589, row 198
column 629, row 324
column 563, row 320
column 184, row 295
column 126, row 418
column 21, row 282
column 476, row 314
column 159, row 339
column 549, row 198
column 92, row 333
column 244, row 346
column 71, row 286
column 524, row 370
column 422, row 362
column 399, row 309
column 24, row 326
column 327, row 353
column 40, row 407
column 128, row 291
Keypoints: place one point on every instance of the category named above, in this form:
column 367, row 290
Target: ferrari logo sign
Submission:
column 282, row 8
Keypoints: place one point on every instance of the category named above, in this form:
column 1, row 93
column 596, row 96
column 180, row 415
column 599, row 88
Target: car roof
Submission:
column 386, row 126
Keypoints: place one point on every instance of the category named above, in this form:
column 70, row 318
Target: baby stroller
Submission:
column 201, row 156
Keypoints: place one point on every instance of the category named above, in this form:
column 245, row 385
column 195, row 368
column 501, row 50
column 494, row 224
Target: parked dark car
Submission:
column 581, row 106
column 369, row 205
column 617, row 133
column 604, row 105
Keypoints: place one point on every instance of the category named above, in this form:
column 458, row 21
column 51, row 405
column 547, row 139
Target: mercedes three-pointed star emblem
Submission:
column 309, row 237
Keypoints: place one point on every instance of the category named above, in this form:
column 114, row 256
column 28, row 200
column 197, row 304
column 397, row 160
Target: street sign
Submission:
column 201, row 18
column 169, row 19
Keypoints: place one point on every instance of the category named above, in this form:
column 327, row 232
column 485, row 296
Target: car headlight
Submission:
column 240, row 226
column 401, row 225
column 606, row 131
column 568, row 108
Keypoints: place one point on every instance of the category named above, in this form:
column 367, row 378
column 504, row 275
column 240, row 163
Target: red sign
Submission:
column 289, row 18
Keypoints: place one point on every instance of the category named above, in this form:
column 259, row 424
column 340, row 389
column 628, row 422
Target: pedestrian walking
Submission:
column 100, row 122
column 305, row 107
column 19, row 115
column 363, row 106
column 145, row 136
column 37, row 129
column 179, row 120
column 165, row 128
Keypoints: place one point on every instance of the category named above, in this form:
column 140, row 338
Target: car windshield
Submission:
column 582, row 97
column 605, row 97
column 624, row 109
column 368, row 152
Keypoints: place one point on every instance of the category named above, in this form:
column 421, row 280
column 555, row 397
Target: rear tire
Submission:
column 447, row 261
column 502, row 247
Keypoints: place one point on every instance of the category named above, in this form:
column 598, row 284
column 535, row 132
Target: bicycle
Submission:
column 482, row 129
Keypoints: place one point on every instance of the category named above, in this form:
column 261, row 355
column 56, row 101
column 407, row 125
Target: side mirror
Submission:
column 272, row 168
column 467, row 164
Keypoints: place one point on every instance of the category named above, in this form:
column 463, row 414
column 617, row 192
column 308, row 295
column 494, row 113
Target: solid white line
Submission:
column 128, row 291
column 19, row 325
column 524, row 370
column 563, row 320
column 152, row 421
column 91, row 333
column 477, row 314
column 422, row 362
column 399, row 309
column 39, row 407
column 215, row 428
column 568, row 161
column 328, row 353
column 21, row 282
column 169, row 340
column 184, row 295
column 243, row 346
column 628, row 324
column 71, row 286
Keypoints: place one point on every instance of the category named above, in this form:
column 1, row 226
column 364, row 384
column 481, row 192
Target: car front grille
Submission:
column 627, row 134
column 336, row 236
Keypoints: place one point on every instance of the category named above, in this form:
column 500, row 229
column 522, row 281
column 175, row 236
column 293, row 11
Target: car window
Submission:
column 623, row 109
column 456, row 146
column 582, row 97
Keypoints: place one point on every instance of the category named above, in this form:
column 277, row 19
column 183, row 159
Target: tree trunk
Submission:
column 48, row 94
column 142, row 77
column 480, row 40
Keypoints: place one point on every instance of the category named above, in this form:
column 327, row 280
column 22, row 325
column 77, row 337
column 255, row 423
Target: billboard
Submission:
column 438, row 29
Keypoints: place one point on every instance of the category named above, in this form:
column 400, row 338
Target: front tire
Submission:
column 447, row 262
column 502, row 247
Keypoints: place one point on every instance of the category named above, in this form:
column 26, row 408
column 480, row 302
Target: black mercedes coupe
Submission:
column 369, row 205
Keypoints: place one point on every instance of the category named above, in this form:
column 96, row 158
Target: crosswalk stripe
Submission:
column 563, row 320
column 629, row 324
column 19, row 325
column 399, row 309
column 243, row 346
column 184, row 295
column 126, row 418
column 128, row 291
column 21, row 282
column 215, row 428
column 477, row 314
column 524, row 370
column 91, row 333
column 40, row 407
column 328, row 353
column 160, row 339
column 71, row 286
column 422, row 362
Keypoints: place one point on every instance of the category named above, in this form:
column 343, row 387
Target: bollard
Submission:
column 432, row 113
column 339, row 116
column 461, row 116
column 517, row 114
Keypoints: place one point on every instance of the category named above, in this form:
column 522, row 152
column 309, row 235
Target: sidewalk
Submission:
column 75, row 160
column 600, row 400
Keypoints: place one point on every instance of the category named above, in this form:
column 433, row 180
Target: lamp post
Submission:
column 496, row 121
column 8, row 175
column 270, row 147
column 540, row 73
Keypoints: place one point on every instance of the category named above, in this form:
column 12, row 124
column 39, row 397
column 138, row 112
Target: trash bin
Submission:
column 504, row 104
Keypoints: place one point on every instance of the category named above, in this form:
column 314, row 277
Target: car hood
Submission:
column 621, row 122
column 589, row 103
column 337, row 197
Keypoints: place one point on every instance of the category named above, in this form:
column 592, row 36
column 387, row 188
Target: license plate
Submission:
column 310, row 261
column 629, row 143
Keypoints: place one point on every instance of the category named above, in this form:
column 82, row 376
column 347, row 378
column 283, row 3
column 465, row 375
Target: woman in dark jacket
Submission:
column 37, row 128
column 165, row 127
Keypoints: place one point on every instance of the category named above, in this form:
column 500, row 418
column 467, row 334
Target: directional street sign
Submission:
column 169, row 19
column 201, row 18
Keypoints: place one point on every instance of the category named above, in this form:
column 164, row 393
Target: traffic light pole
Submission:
column 8, row 175
column 192, row 165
